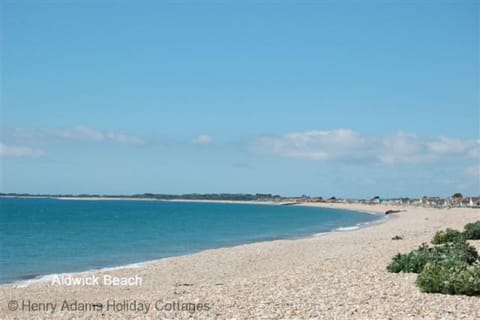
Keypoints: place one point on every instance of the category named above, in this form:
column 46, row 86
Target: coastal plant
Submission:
column 472, row 231
column 455, row 253
column 397, row 237
column 413, row 261
column 449, row 235
column 450, row 279
column 451, row 267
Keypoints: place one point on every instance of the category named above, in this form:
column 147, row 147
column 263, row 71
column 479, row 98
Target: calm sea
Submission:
column 47, row 236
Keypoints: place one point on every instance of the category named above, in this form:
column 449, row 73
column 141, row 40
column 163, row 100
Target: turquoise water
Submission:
column 47, row 236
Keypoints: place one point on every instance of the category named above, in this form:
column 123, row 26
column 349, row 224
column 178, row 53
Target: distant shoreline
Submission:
column 362, row 208
column 152, row 199
column 339, row 203
column 171, row 200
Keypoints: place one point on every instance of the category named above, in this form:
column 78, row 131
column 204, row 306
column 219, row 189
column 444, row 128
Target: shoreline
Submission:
column 339, row 275
column 365, row 207
column 150, row 199
column 48, row 277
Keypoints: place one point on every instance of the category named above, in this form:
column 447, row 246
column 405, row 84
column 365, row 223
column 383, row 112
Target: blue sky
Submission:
column 348, row 98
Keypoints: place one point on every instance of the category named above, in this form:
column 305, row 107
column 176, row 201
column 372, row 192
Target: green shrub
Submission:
column 410, row 262
column 472, row 231
column 448, row 235
column 450, row 279
column 397, row 238
column 451, row 254
column 452, row 267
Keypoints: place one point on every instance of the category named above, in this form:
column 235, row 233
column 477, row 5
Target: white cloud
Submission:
column 348, row 145
column 77, row 133
column 123, row 138
column 84, row 133
column 18, row 151
column 316, row 145
column 202, row 139
column 448, row 145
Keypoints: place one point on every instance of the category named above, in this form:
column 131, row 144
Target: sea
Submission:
column 40, row 237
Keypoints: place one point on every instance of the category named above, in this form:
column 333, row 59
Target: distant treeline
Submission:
column 189, row 196
column 212, row 196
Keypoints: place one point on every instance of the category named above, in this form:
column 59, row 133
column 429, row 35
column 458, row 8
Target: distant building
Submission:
column 375, row 200
column 476, row 201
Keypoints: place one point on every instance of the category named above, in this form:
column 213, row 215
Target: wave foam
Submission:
column 51, row 277
column 348, row 228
